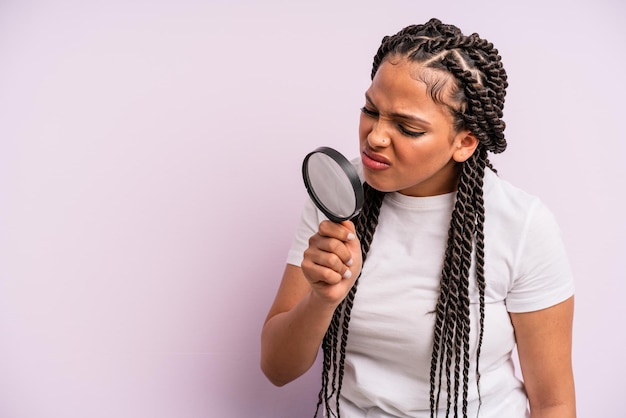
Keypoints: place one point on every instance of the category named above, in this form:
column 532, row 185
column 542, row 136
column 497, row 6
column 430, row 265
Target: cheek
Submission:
column 422, row 155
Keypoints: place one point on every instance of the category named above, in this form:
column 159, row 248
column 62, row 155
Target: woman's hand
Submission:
column 333, row 261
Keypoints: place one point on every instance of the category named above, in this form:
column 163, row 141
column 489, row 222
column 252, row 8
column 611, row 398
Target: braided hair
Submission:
column 470, row 81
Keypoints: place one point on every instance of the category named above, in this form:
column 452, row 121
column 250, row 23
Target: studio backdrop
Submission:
column 150, row 185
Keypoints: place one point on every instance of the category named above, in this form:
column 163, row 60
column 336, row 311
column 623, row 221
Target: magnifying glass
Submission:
column 333, row 184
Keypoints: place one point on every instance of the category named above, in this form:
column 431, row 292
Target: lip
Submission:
column 374, row 160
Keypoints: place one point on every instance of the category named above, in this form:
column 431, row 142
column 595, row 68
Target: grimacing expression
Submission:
column 408, row 141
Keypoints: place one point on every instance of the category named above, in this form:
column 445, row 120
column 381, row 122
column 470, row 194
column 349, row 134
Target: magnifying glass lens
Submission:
column 333, row 184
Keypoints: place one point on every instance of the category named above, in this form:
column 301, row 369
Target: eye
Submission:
column 409, row 132
column 368, row 112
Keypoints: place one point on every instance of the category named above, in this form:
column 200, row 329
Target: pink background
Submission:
column 150, row 184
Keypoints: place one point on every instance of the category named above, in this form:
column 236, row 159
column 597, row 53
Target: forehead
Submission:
column 424, row 71
column 406, row 81
column 417, row 81
column 398, row 78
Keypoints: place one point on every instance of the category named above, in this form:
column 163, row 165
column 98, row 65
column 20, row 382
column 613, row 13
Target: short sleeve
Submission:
column 542, row 273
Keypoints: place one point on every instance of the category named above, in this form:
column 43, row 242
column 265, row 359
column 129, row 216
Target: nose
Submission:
column 378, row 136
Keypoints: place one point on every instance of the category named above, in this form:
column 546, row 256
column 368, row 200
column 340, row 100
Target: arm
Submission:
column 306, row 300
column 544, row 344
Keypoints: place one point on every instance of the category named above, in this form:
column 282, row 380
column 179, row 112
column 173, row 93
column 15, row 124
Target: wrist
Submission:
column 322, row 305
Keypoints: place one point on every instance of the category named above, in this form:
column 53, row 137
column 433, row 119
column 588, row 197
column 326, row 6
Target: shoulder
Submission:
column 517, row 217
column 513, row 208
column 524, row 230
column 503, row 195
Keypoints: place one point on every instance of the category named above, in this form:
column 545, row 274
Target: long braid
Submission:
column 335, row 340
column 475, row 99
column 481, row 163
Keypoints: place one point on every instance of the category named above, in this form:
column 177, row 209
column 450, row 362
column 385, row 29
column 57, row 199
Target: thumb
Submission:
column 353, row 244
column 351, row 233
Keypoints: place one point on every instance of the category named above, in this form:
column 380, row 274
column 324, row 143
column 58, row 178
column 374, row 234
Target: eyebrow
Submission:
column 398, row 115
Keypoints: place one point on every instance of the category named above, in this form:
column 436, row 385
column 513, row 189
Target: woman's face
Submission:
column 408, row 143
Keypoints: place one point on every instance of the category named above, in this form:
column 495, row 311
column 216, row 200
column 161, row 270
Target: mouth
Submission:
column 374, row 161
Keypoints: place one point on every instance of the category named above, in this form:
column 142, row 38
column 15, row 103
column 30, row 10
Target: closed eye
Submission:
column 409, row 132
column 403, row 130
column 368, row 112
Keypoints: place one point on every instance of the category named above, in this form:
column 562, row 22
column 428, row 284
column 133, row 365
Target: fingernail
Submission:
column 349, row 263
column 347, row 274
column 351, row 236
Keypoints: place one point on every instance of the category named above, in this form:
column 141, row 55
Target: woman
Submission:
column 420, row 302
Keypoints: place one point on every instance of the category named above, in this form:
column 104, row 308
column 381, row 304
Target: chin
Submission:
column 380, row 186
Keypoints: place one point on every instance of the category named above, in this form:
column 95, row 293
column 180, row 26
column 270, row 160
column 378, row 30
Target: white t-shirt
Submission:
column 388, row 354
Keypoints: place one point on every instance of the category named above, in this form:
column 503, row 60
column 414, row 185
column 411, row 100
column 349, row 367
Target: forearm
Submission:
column 291, row 340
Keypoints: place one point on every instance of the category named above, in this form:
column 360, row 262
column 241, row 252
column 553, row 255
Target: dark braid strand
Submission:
column 365, row 224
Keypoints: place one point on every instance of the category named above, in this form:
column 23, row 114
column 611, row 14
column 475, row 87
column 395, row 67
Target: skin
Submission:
column 407, row 144
column 544, row 345
column 407, row 141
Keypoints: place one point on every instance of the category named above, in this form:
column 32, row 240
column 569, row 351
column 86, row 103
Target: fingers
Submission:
column 353, row 244
column 328, row 254
column 328, row 258
column 318, row 274
column 344, row 231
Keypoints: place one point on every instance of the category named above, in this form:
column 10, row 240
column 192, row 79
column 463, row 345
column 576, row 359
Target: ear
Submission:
column 465, row 143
